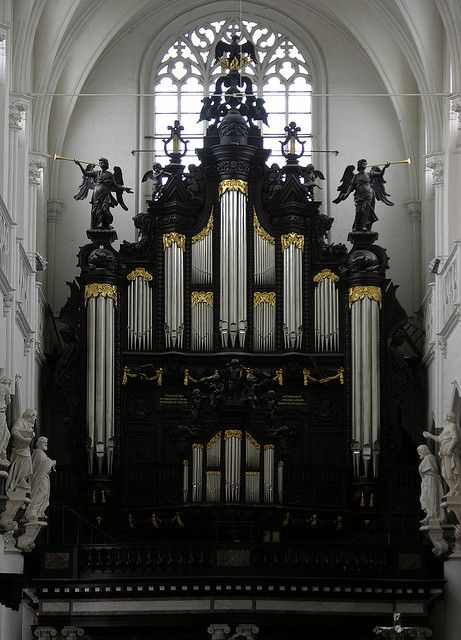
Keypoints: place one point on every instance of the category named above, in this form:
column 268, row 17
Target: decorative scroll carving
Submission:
column 177, row 238
column 232, row 433
column 360, row 292
column 260, row 297
column 202, row 296
column 96, row 289
column 262, row 233
column 325, row 273
column 207, row 229
column 292, row 238
column 233, row 185
column 139, row 272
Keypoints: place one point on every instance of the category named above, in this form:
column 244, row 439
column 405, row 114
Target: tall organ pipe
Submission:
column 292, row 247
column 100, row 299
column 174, row 245
column 364, row 302
column 326, row 301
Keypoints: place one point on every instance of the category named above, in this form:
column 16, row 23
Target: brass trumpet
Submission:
column 56, row 157
column 407, row 161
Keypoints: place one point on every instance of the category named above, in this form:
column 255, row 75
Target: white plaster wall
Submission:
column 357, row 127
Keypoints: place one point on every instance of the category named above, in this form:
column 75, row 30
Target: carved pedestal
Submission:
column 26, row 540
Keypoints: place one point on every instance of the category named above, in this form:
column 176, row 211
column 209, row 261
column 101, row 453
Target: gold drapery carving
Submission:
column 212, row 472
column 262, row 233
column 369, row 291
column 196, row 445
column 326, row 273
column 252, row 441
column 207, row 229
column 252, row 474
column 202, row 296
column 260, row 297
column 232, row 433
column 292, row 238
column 233, row 185
column 269, row 446
column 279, row 376
column 157, row 377
column 96, row 289
column 339, row 375
column 214, row 439
column 178, row 238
column 139, row 272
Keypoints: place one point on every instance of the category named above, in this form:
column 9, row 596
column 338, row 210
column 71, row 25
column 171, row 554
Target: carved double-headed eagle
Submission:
column 234, row 56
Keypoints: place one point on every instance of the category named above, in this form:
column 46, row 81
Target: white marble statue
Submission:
column 42, row 466
column 449, row 441
column 20, row 470
column 5, row 399
column 431, row 486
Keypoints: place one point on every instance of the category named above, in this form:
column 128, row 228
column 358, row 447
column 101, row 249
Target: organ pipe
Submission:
column 268, row 473
column 280, row 480
column 174, row 245
column 292, row 248
column 100, row 300
column 233, row 263
column 197, row 466
column 213, row 485
column 232, row 444
column 140, row 305
column 185, row 480
column 252, row 486
column 264, row 254
column 202, row 320
column 213, row 451
column 202, row 255
column 364, row 303
column 264, row 321
column 326, row 311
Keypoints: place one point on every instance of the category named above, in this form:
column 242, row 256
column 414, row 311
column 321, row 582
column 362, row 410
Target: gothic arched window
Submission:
column 187, row 73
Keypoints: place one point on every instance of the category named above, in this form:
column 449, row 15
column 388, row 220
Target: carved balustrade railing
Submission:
column 450, row 282
column 281, row 559
column 6, row 245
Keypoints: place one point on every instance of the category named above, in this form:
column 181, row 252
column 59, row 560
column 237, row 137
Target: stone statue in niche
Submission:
column 20, row 471
column 42, row 466
column 5, row 399
column 103, row 182
column 431, row 485
column 367, row 187
column 449, row 441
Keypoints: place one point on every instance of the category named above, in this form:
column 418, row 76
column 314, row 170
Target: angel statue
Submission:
column 103, row 182
column 310, row 175
column 368, row 186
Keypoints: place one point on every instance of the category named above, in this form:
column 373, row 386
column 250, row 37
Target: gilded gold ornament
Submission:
column 96, row 289
column 252, row 474
column 279, row 376
column 252, row 441
column 269, row 446
column 339, row 375
column 232, row 433
column 139, row 272
column 292, row 238
column 177, row 238
column 360, row 292
column 233, row 185
column 264, row 297
column 326, row 273
column 262, row 233
column 205, row 297
column 198, row 446
column 213, row 472
column 207, row 229
column 214, row 439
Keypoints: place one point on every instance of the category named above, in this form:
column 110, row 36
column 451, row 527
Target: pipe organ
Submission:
column 292, row 247
column 140, row 310
column 174, row 245
column 326, row 311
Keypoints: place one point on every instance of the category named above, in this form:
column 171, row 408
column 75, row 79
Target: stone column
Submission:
column 18, row 107
column 413, row 208
column 37, row 163
column 436, row 163
column 54, row 210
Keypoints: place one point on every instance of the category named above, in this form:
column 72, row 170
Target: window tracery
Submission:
column 188, row 72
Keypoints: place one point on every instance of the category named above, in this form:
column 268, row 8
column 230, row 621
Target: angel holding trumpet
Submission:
column 103, row 182
column 367, row 186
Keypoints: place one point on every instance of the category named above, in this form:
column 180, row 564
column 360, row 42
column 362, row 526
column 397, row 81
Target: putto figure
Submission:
column 103, row 182
column 367, row 186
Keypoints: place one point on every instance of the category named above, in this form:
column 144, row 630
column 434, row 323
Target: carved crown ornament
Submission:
column 202, row 297
column 174, row 238
column 233, row 185
column 325, row 274
column 264, row 297
column 292, row 238
column 96, row 289
column 139, row 272
column 360, row 292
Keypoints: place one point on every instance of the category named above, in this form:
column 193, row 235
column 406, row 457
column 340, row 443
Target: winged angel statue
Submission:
column 103, row 182
column 368, row 186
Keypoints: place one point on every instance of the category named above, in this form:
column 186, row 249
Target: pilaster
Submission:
column 413, row 209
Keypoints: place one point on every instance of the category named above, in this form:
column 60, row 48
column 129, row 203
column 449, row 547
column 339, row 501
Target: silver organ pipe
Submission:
column 233, row 262
column 202, row 320
column 252, row 451
column 268, row 473
column 280, row 480
column 364, row 303
column 326, row 312
column 252, row 486
column 213, row 485
column 100, row 299
column 140, row 304
column 264, row 320
column 197, row 466
column 264, row 254
column 232, row 444
column 213, row 451
column 174, row 245
column 292, row 247
column 202, row 255
column 185, row 480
